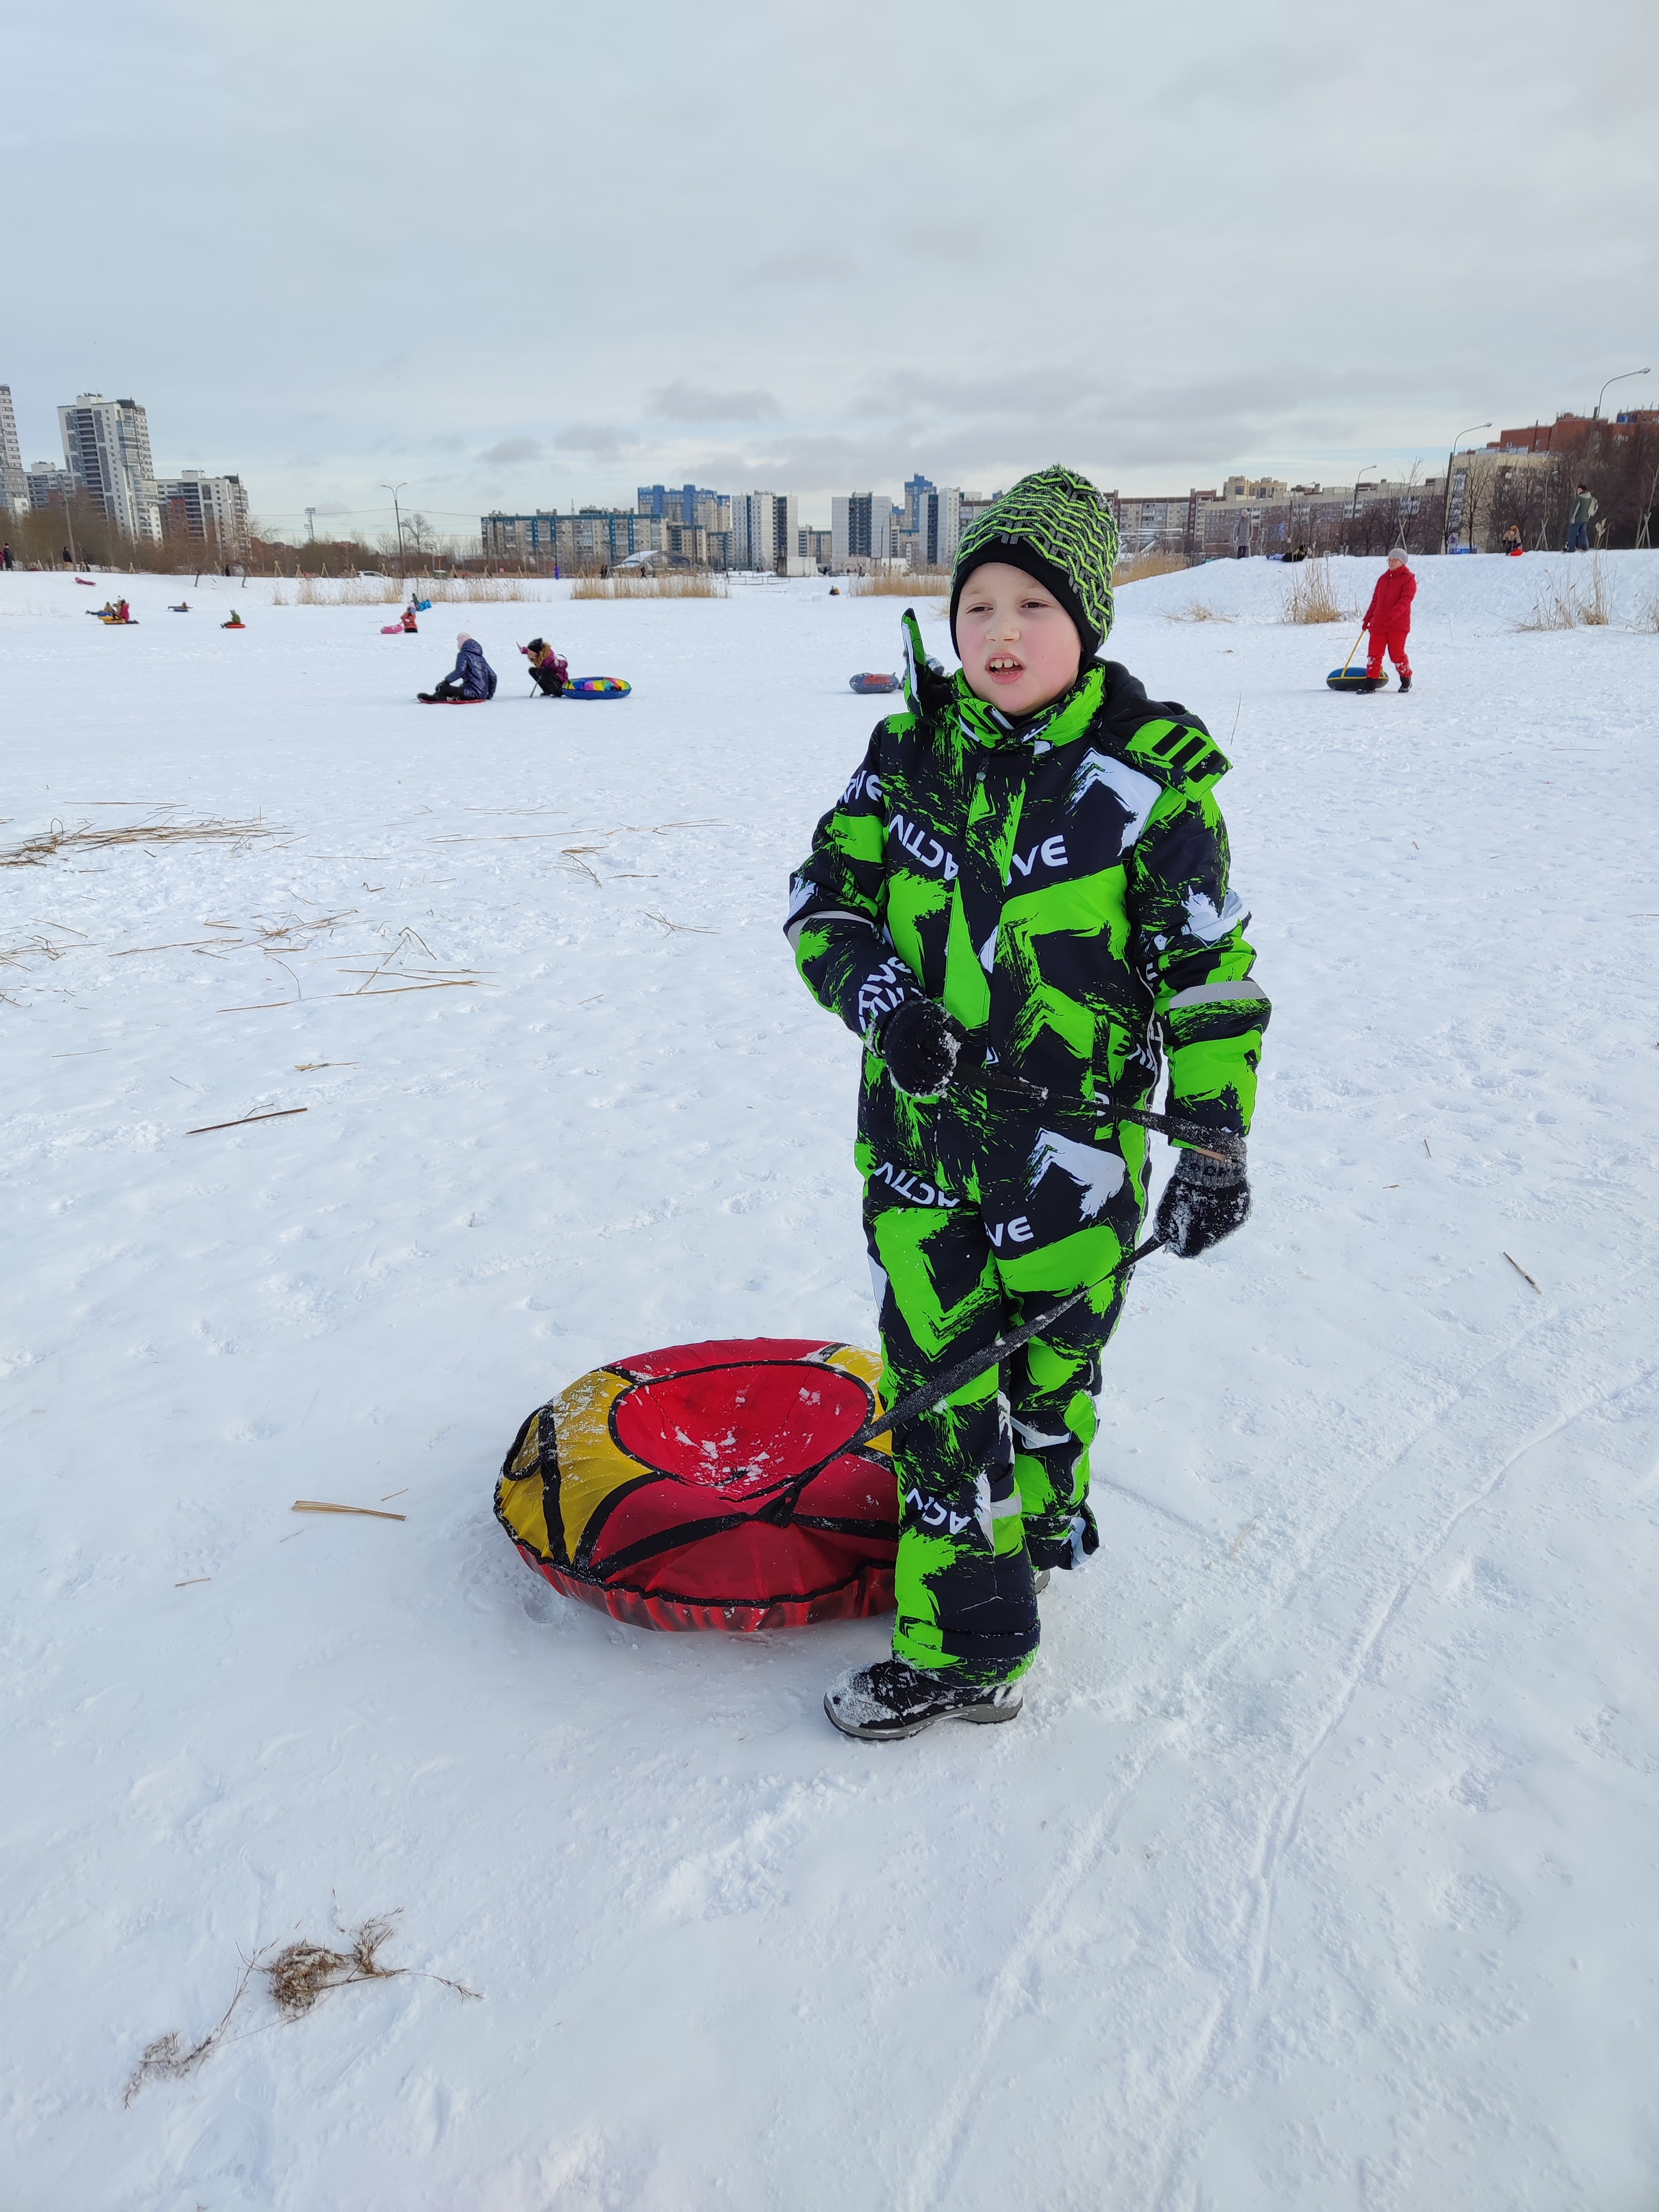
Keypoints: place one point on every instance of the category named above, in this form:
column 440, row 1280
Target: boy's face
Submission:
column 1019, row 648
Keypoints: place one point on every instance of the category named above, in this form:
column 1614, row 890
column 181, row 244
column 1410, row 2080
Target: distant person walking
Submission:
column 1388, row 619
column 5, row 557
column 1578, row 522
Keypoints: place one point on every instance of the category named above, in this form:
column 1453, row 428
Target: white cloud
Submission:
column 507, row 450
column 696, row 403
column 1154, row 243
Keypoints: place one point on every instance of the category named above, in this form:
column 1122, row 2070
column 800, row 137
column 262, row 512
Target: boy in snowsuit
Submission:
column 1024, row 884
column 1388, row 619
column 471, row 678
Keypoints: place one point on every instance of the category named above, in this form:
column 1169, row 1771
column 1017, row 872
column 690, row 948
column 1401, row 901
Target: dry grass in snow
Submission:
column 1563, row 602
column 677, row 584
column 86, row 837
column 916, row 583
column 1199, row 610
column 1135, row 568
column 1310, row 595
column 297, row 1977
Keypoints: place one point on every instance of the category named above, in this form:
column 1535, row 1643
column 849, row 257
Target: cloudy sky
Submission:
column 528, row 253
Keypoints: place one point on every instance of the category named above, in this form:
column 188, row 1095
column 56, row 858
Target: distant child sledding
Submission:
column 469, row 683
column 548, row 671
column 1388, row 623
column 405, row 625
column 236, row 622
column 112, row 611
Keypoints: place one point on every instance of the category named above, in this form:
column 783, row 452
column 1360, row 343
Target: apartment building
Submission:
column 209, row 510
column 860, row 527
column 14, row 484
column 595, row 538
column 106, row 452
column 765, row 530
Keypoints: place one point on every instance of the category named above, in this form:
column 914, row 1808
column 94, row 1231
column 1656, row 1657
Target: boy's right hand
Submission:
column 920, row 1044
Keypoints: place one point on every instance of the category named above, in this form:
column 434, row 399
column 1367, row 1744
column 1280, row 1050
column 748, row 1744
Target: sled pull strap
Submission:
column 1352, row 649
column 934, row 1393
column 1214, row 1144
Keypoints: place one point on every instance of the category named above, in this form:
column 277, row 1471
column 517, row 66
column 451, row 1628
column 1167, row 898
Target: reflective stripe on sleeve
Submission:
column 1208, row 994
column 821, row 914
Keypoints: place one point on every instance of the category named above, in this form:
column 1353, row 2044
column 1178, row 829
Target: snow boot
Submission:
column 893, row 1698
column 1405, row 683
column 1369, row 684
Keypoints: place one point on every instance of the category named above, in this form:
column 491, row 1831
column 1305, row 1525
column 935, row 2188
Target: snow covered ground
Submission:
column 1319, row 1870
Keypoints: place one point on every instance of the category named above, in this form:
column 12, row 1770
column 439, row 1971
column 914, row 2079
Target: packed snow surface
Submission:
column 1319, row 1871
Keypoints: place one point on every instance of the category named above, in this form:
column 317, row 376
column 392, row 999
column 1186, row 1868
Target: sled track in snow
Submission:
column 1154, row 2143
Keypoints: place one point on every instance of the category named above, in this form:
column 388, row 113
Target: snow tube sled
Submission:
column 705, row 1486
column 1354, row 679
column 597, row 687
column 866, row 682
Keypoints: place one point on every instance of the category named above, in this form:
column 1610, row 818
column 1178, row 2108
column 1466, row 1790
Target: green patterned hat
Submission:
column 1056, row 526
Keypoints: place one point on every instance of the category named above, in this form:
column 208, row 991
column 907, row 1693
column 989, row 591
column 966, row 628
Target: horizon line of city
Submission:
column 108, row 472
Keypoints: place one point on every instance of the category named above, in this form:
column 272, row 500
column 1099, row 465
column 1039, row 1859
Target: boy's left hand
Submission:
column 1204, row 1200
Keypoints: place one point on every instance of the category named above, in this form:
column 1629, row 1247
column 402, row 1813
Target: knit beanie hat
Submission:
column 1055, row 527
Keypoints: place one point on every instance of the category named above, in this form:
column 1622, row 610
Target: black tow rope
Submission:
column 936, row 1391
column 1214, row 1144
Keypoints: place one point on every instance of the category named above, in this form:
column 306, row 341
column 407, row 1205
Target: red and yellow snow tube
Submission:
column 706, row 1486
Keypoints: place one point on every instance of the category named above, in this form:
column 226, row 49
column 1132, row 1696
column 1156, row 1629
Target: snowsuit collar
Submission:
column 1106, row 700
column 1057, row 724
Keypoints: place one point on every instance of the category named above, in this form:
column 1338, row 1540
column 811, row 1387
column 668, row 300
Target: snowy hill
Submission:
column 1318, row 1872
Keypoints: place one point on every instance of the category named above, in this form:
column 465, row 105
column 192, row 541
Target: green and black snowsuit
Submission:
column 1060, row 885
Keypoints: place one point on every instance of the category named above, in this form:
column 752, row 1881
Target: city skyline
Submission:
column 1209, row 243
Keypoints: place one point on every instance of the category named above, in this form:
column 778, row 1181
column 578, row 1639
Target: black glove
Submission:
column 926, row 686
column 1204, row 1200
column 920, row 1043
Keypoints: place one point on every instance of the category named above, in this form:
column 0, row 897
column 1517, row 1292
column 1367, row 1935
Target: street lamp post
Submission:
column 1623, row 377
column 1446, row 518
column 1354, row 504
column 394, row 490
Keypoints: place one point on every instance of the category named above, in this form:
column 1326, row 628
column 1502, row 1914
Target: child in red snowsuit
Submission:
column 1389, row 618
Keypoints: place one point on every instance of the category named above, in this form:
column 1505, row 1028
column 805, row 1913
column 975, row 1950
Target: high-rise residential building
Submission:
column 916, row 488
column 212, row 510
column 14, row 484
column 693, row 506
column 11, row 453
column 47, row 485
column 596, row 537
column 861, row 526
column 937, row 526
column 106, row 450
column 765, row 528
